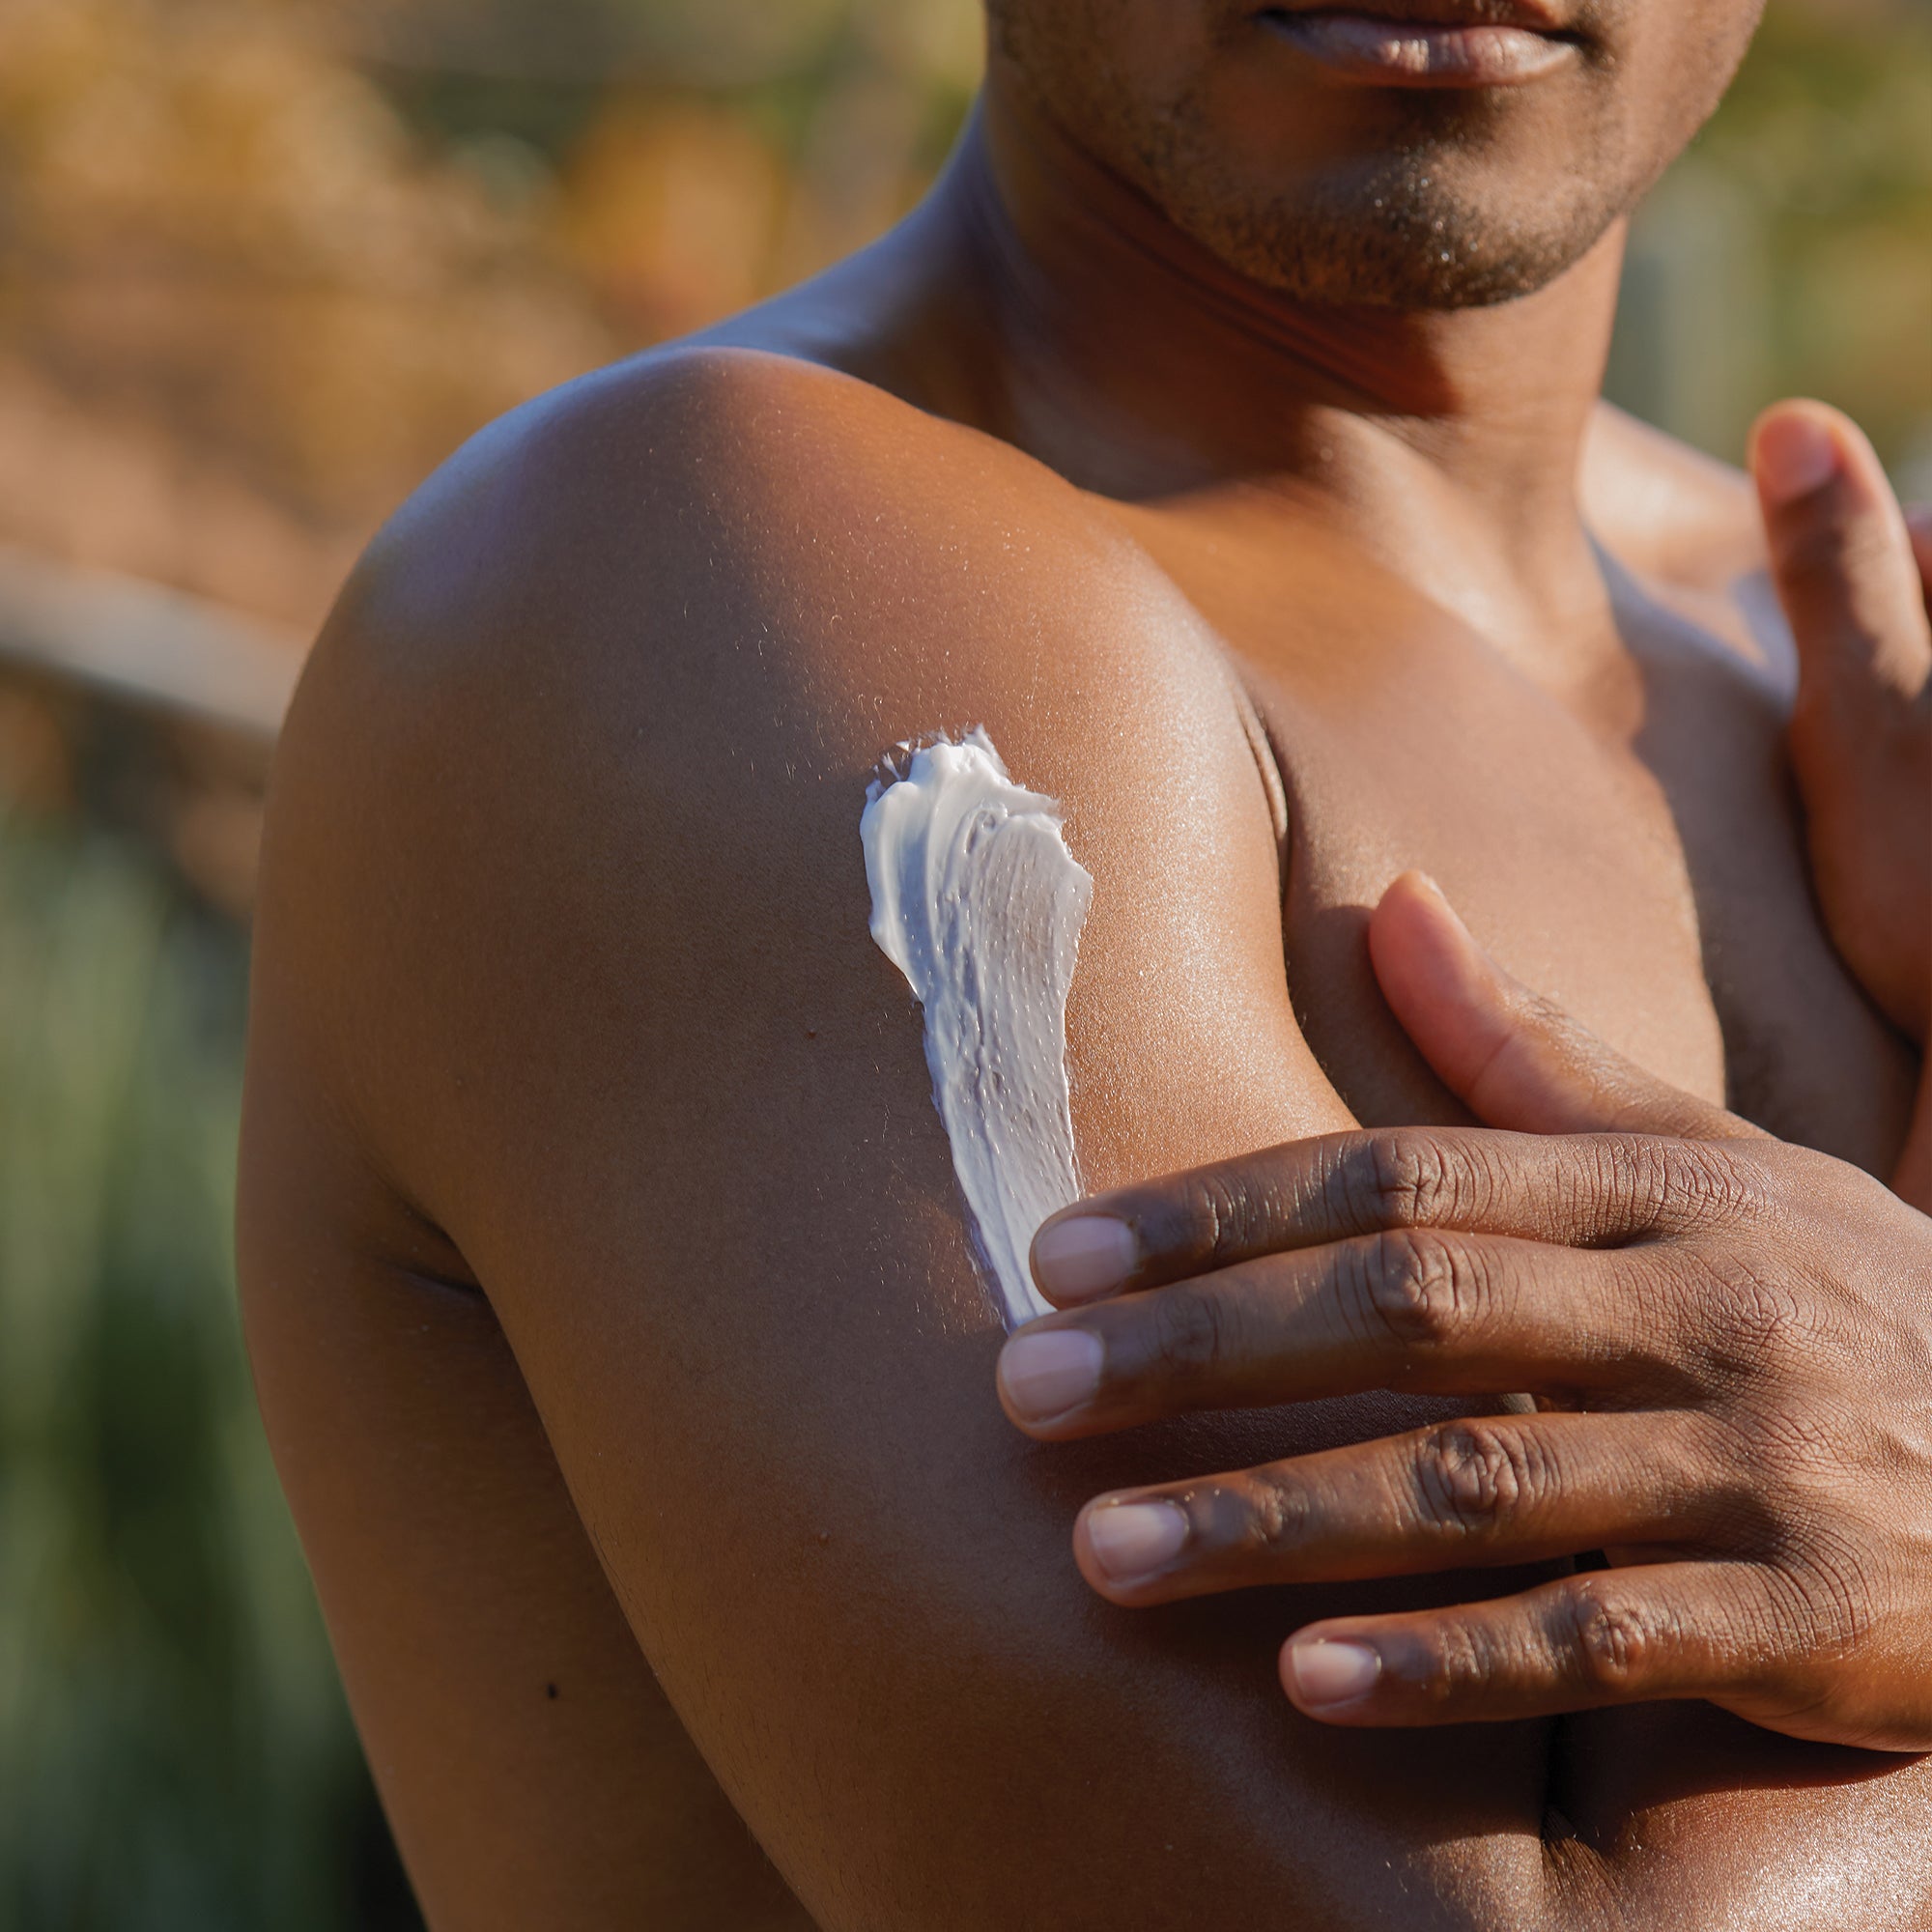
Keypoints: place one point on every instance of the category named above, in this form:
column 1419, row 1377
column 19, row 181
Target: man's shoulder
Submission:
column 719, row 472
column 572, row 787
column 676, row 607
column 714, row 557
column 1668, row 510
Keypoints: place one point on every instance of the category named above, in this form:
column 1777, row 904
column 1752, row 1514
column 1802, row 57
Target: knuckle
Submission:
column 1455, row 1657
column 1262, row 1511
column 1821, row 1607
column 1473, row 1477
column 1209, row 1216
column 1796, row 1438
column 1191, row 1333
column 1229, row 1212
column 1754, row 1319
column 1661, row 1299
column 1777, row 1476
column 1619, row 1170
column 1689, row 1185
column 1415, row 1288
column 1610, row 1640
column 1410, row 1179
column 1740, row 1510
column 1838, row 1591
column 1707, row 1180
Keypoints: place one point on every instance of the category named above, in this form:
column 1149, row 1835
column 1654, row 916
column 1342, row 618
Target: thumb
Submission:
column 1843, row 558
column 1918, row 528
column 1514, row 1058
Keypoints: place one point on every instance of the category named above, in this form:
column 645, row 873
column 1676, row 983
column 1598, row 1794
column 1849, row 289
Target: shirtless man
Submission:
column 1211, row 435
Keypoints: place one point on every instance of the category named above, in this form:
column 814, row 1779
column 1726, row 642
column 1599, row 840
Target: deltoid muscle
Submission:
column 977, row 901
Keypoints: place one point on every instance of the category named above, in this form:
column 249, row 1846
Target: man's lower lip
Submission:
column 1402, row 53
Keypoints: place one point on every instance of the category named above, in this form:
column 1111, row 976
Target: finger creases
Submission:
column 1478, row 1492
column 1420, row 1309
column 1610, row 1637
column 1582, row 1191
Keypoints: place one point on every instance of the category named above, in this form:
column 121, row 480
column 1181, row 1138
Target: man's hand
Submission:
column 1729, row 1340
column 1852, row 572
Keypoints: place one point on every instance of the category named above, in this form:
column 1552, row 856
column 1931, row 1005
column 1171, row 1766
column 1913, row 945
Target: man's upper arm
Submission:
column 564, row 893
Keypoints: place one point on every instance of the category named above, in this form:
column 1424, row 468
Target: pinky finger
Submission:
column 1724, row 1631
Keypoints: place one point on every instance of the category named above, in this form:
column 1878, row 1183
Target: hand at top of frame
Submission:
column 1852, row 573
column 1730, row 1341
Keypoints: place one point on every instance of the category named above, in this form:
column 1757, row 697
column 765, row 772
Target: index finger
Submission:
column 1582, row 1191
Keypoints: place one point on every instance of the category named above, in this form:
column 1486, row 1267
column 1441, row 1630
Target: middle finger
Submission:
column 1425, row 1310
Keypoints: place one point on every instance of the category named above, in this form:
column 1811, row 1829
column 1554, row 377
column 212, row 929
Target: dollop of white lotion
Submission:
column 977, row 901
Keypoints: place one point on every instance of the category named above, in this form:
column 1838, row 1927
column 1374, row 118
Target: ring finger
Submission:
column 1480, row 1491
column 1418, row 1309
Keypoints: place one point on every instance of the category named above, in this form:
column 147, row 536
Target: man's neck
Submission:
column 1138, row 365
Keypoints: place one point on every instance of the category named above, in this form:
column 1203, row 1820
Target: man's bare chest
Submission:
column 1650, row 876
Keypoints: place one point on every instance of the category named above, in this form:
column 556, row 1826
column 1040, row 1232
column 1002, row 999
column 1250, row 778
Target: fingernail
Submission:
column 1325, row 1673
column 1129, row 1540
column 1083, row 1256
column 1796, row 455
column 1043, row 1375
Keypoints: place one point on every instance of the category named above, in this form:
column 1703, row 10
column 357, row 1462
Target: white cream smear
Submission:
column 977, row 901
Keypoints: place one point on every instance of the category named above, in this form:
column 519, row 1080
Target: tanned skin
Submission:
column 603, row 1272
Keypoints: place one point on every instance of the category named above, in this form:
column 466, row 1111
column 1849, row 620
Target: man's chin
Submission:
column 1413, row 286
column 1365, row 260
column 1429, row 228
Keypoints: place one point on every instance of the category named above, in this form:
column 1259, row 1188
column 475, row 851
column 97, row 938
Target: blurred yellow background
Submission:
column 263, row 263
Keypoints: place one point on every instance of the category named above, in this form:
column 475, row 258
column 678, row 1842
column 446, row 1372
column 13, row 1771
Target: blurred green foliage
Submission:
column 174, row 1748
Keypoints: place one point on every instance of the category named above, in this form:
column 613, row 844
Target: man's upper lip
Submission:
column 1537, row 16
